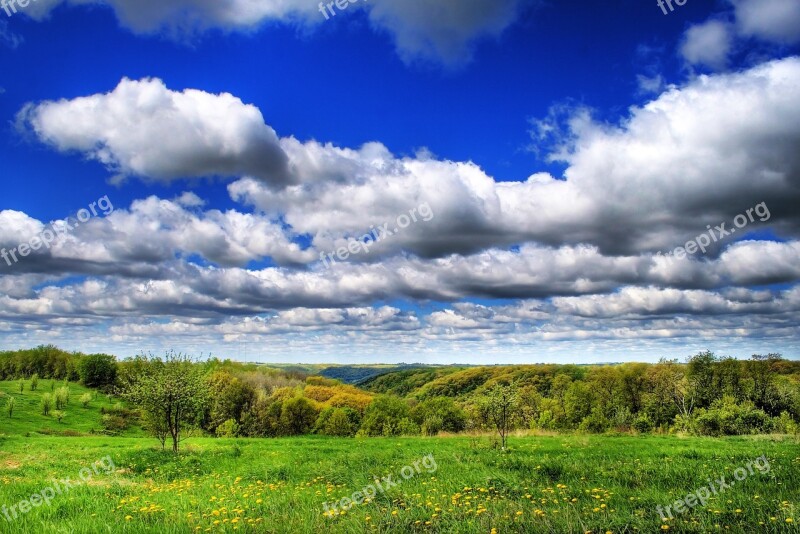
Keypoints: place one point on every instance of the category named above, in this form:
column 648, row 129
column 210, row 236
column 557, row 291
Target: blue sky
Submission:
column 559, row 148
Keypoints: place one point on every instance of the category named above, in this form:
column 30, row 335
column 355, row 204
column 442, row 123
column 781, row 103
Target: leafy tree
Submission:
column 47, row 403
column 384, row 416
column 98, row 370
column 171, row 393
column 21, row 386
column 297, row 416
column 500, row 404
column 439, row 414
column 34, row 382
column 228, row 429
column 86, row 398
column 342, row 422
column 62, row 397
column 10, row 406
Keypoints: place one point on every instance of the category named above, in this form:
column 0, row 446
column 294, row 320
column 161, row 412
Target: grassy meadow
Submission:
column 542, row 484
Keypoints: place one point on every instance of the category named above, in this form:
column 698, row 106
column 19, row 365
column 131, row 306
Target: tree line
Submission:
column 173, row 396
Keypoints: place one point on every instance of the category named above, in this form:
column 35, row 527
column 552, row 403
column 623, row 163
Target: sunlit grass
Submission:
column 544, row 484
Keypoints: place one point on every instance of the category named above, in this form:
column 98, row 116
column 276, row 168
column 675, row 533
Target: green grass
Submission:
column 28, row 419
column 579, row 484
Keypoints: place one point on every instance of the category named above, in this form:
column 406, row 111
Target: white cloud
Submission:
column 143, row 129
column 772, row 20
column 708, row 44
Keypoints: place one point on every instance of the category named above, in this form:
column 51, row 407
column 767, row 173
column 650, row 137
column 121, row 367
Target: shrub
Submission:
column 62, row 397
column 98, row 370
column 595, row 422
column 343, row 422
column 10, row 406
column 34, row 382
column 228, row 429
column 47, row 403
column 86, row 398
column 113, row 424
column 21, row 385
column 58, row 414
column 643, row 423
column 383, row 416
column 729, row 417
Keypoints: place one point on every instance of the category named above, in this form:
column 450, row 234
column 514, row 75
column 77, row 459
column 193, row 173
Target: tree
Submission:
column 34, row 382
column 387, row 415
column 297, row 416
column 501, row 404
column 98, row 370
column 86, row 398
column 47, row 403
column 10, row 406
column 21, row 386
column 439, row 414
column 171, row 394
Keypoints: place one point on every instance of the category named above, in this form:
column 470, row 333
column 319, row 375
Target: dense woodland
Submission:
column 173, row 397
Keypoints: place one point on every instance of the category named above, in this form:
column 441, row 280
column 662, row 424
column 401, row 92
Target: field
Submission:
column 542, row 484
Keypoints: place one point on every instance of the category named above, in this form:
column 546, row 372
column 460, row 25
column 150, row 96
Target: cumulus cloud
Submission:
column 704, row 153
column 143, row 129
column 708, row 44
column 772, row 20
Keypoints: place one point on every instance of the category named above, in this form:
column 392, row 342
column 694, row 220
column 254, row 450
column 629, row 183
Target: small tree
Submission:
column 171, row 394
column 500, row 405
column 58, row 414
column 34, row 382
column 62, row 397
column 47, row 403
column 86, row 398
column 10, row 406
column 21, row 385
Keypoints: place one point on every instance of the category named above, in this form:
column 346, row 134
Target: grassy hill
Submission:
column 28, row 419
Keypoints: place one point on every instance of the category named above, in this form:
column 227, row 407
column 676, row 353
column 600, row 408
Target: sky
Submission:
column 471, row 181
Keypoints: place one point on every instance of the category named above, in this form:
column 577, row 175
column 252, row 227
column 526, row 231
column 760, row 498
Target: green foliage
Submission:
column 34, row 382
column 387, row 416
column 171, row 394
column 10, row 403
column 727, row 417
column 501, row 405
column 98, row 370
column 342, row 422
column 61, row 397
column 297, row 416
column 47, row 403
column 86, row 398
column 59, row 415
column 439, row 414
column 228, row 429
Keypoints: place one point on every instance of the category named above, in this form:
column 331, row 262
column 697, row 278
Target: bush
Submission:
column 228, row 429
column 114, row 424
column 728, row 417
column 10, row 406
column 595, row 422
column 34, row 382
column 643, row 424
column 439, row 414
column 86, row 398
column 98, row 370
column 58, row 414
column 384, row 415
column 47, row 403
column 62, row 397
column 342, row 422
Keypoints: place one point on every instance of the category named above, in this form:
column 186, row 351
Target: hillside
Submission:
column 28, row 419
